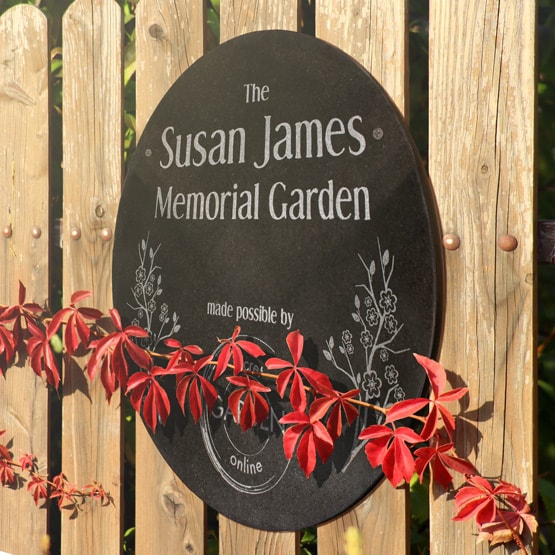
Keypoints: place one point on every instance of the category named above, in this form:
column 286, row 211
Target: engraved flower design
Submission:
column 372, row 316
column 390, row 324
column 366, row 339
column 163, row 312
column 372, row 384
column 347, row 336
column 391, row 374
column 388, row 301
column 368, row 302
column 384, row 355
column 399, row 394
column 140, row 274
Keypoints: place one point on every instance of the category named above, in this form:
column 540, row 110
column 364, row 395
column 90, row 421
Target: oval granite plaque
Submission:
column 276, row 188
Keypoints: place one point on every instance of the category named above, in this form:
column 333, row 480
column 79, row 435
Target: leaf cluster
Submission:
column 318, row 417
column 25, row 470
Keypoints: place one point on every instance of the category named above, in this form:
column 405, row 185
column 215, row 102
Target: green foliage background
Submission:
column 419, row 118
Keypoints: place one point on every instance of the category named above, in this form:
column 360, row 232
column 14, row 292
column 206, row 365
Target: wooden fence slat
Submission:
column 238, row 17
column 374, row 32
column 92, row 156
column 170, row 37
column 24, row 190
column 482, row 135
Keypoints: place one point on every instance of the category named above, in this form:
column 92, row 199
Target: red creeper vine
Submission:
column 319, row 412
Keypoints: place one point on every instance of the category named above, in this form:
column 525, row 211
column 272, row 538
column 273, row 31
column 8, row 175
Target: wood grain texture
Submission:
column 170, row 37
column 482, row 135
column 24, row 194
column 92, row 158
column 238, row 17
column 374, row 32
column 236, row 538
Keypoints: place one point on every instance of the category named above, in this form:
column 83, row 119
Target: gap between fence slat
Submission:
column 482, row 135
column 92, row 157
column 375, row 33
column 25, row 194
column 169, row 517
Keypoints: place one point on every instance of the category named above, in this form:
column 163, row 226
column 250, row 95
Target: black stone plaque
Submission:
column 276, row 187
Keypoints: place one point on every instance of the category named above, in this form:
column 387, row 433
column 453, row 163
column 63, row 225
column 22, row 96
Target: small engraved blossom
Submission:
column 384, row 355
column 349, row 348
column 140, row 274
column 368, row 302
column 388, row 301
column 372, row 384
column 399, row 394
column 347, row 336
column 391, row 374
column 149, row 288
column 372, row 317
column 366, row 339
column 390, row 324
column 137, row 290
column 151, row 305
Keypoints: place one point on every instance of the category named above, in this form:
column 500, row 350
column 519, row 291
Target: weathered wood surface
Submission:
column 24, row 190
column 170, row 37
column 375, row 33
column 238, row 18
column 482, row 134
column 92, row 164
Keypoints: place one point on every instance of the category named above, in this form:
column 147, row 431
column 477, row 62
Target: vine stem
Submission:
column 514, row 533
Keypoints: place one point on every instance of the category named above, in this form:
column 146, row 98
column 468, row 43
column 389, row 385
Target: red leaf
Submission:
column 39, row 488
column 146, row 392
column 79, row 296
column 436, row 375
column 109, row 355
column 388, row 447
column 192, row 384
column 310, row 436
column 233, row 351
column 41, row 356
column 7, row 348
column 292, row 374
column 340, row 406
column 247, row 404
column 476, row 500
column 28, row 461
column 7, row 475
column 440, row 459
column 435, row 372
column 405, row 409
column 18, row 313
column 182, row 354
column 77, row 331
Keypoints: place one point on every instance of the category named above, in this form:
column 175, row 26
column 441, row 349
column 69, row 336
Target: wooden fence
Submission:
column 482, row 67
